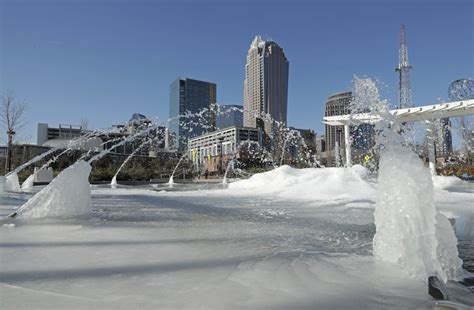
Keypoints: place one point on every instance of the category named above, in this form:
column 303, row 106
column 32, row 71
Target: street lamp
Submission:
column 221, row 139
column 8, row 165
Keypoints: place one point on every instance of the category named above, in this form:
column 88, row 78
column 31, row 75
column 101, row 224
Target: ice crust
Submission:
column 67, row 195
column 2, row 184
column 308, row 184
column 207, row 249
column 12, row 183
column 28, row 184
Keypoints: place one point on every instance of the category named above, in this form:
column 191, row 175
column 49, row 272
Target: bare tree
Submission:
column 84, row 124
column 12, row 119
column 464, row 126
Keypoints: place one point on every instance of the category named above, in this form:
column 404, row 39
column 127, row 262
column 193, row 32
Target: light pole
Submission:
column 8, row 163
column 221, row 139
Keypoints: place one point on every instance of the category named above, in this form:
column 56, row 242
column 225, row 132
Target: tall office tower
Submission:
column 265, row 85
column 192, row 110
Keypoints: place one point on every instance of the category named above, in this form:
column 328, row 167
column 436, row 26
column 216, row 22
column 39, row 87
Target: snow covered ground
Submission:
column 253, row 246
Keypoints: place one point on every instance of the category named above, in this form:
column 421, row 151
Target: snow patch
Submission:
column 308, row 183
column 446, row 182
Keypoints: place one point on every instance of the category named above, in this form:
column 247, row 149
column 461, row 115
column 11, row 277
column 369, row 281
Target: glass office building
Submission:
column 192, row 110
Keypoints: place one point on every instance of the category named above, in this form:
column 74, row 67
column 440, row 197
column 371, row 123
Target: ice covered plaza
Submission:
column 280, row 240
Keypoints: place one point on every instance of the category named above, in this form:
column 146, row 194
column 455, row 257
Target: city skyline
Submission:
column 106, row 63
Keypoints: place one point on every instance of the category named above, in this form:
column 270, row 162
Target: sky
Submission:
column 104, row 60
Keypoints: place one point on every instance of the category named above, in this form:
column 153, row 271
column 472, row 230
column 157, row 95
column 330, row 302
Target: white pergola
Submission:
column 423, row 113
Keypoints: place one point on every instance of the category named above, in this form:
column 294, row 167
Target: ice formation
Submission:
column 68, row 194
column 445, row 182
column 171, row 180
column 12, row 184
column 113, row 183
column 28, row 183
column 308, row 184
column 409, row 232
column 2, row 184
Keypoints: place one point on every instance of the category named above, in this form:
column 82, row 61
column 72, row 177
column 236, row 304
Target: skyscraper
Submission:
column 337, row 104
column 265, row 84
column 192, row 109
column 361, row 135
column 443, row 137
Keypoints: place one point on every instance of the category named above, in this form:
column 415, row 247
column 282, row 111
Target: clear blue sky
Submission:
column 104, row 60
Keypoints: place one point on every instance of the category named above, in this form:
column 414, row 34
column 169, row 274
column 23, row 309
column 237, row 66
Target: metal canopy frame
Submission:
column 427, row 112
column 423, row 113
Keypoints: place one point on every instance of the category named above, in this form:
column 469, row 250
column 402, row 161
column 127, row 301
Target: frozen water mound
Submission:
column 2, row 184
column 409, row 231
column 113, row 183
column 309, row 183
column 69, row 194
column 12, row 183
column 28, row 184
column 448, row 256
column 446, row 182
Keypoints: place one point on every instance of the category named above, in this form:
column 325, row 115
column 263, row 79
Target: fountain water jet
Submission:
column 113, row 183
column 171, row 181
column 69, row 193
column 409, row 230
column 229, row 165
column 12, row 182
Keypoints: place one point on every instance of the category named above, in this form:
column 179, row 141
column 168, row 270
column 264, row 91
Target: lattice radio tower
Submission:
column 403, row 68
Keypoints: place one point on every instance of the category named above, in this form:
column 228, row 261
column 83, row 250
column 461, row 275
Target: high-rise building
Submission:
column 337, row 104
column 192, row 110
column 266, row 84
column 443, row 138
column 229, row 115
column 361, row 135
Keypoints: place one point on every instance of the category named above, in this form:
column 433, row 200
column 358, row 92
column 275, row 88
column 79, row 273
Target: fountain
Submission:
column 113, row 183
column 286, row 229
column 12, row 183
column 28, row 183
column 405, row 216
column 69, row 193
column 171, row 181
column 229, row 165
